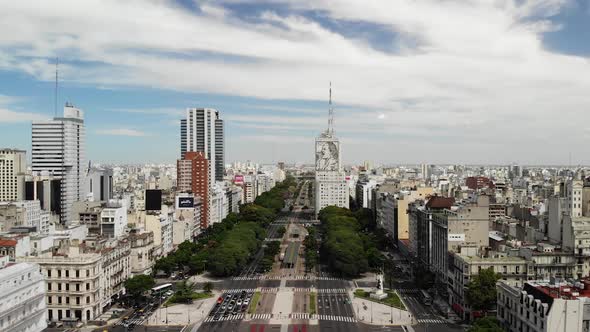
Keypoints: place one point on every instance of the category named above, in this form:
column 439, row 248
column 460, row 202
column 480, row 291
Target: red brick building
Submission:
column 193, row 177
column 479, row 182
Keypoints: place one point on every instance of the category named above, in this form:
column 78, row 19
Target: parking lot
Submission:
column 230, row 306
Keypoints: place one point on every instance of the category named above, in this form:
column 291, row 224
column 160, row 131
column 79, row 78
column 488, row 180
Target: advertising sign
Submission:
column 457, row 237
column 185, row 202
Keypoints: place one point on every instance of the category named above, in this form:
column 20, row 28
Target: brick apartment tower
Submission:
column 193, row 176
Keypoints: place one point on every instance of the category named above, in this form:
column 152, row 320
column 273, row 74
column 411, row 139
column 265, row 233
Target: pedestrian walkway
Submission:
column 136, row 321
column 299, row 315
column 226, row 318
column 269, row 290
column 331, row 290
column 431, row 321
column 334, row 318
column 261, row 316
column 233, row 291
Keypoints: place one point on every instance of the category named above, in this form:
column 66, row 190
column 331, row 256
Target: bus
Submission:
column 159, row 290
column 425, row 297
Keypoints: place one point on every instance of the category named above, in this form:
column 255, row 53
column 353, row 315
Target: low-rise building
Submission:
column 465, row 265
column 73, row 282
column 142, row 254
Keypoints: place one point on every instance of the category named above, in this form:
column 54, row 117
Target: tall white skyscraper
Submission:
column 13, row 166
column 202, row 131
column 331, row 188
column 59, row 149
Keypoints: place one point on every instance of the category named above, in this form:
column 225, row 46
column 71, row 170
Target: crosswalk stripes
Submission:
column 136, row 321
column 332, row 290
column 233, row 291
column 299, row 315
column 226, row 318
column 269, row 290
column 302, row 290
column 431, row 321
column 261, row 316
column 334, row 318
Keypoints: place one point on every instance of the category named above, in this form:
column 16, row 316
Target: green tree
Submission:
column 184, row 292
column 486, row 324
column 481, row 290
column 139, row 284
column 208, row 287
column 165, row 264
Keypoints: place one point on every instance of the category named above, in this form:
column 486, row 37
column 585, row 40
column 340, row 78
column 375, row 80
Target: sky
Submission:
column 413, row 81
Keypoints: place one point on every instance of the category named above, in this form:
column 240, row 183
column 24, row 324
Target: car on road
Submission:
column 223, row 306
column 239, row 302
column 246, row 301
column 217, row 317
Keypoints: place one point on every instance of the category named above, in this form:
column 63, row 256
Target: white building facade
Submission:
column 331, row 187
column 58, row 148
column 22, row 305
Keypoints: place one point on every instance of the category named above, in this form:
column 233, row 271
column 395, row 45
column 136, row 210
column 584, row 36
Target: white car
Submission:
column 247, row 301
column 239, row 302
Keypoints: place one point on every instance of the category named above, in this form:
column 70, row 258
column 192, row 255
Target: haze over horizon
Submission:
column 451, row 82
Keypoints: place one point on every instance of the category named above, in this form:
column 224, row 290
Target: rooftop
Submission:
column 563, row 290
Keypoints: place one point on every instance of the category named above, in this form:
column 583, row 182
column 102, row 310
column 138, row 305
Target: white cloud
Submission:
column 122, row 132
column 478, row 70
column 9, row 115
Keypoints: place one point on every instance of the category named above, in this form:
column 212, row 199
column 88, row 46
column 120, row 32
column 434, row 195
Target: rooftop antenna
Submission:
column 55, row 90
column 330, row 114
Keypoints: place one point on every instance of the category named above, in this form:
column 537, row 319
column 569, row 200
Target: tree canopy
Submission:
column 486, row 324
column 347, row 245
column 139, row 284
column 481, row 290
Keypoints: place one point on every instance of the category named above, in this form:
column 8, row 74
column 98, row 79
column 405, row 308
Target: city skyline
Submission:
column 516, row 95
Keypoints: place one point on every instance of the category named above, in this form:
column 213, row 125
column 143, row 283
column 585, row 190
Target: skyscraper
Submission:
column 13, row 166
column 331, row 188
column 58, row 149
column 202, row 131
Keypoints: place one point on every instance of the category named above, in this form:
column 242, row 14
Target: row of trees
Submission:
column 349, row 243
column 226, row 247
column 270, row 251
column 311, row 249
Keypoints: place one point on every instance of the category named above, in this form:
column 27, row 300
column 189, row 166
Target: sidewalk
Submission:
column 183, row 314
column 370, row 312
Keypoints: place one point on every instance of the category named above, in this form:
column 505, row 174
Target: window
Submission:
column 49, row 286
column 49, row 273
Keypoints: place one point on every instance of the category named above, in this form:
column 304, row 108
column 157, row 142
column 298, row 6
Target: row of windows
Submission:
column 66, row 300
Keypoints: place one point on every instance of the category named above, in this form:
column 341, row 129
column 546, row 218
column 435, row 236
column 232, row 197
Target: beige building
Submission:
column 404, row 199
column 83, row 277
column 464, row 225
column 142, row 252
column 514, row 271
column 13, row 168
column 73, row 282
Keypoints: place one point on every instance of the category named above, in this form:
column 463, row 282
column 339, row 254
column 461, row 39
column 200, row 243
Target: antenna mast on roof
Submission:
column 55, row 89
column 330, row 114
